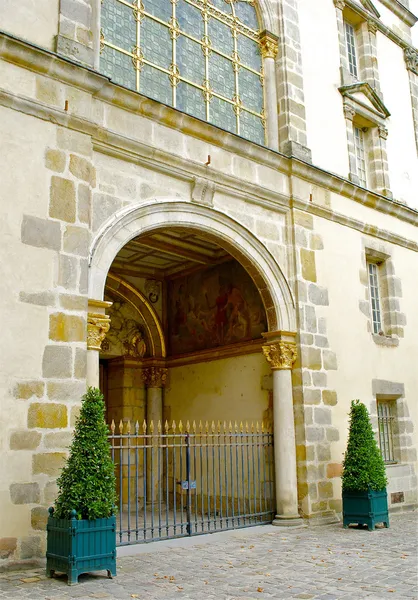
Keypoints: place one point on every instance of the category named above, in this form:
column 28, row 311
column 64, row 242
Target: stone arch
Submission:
column 123, row 289
column 267, row 14
column 220, row 228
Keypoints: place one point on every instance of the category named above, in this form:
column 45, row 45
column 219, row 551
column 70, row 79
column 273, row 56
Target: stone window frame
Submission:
column 402, row 425
column 390, row 291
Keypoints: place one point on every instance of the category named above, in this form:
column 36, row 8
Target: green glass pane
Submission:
column 251, row 127
column 118, row 24
column 250, row 90
column 222, row 114
column 221, row 36
column 190, row 100
column 190, row 60
column 249, row 52
column 162, row 9
column 190, row 19
column 155, row 84
column 222, row 5
column 221, row 75
column 156, row 43
column 247, row 14
column 118, row 67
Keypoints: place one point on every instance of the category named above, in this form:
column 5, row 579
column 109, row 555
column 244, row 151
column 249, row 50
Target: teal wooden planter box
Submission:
column 365, row 508
column 78, row 546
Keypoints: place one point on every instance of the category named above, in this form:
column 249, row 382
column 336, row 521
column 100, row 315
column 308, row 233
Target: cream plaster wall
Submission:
column 32, row 20
column 360, row 359
column 401, row 149
column 230, row 389
column 325, row 121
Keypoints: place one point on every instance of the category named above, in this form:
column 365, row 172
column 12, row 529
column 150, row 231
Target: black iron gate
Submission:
column 175, row 481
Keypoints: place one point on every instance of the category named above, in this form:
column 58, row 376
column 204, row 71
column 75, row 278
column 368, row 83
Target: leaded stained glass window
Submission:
column 200, row 56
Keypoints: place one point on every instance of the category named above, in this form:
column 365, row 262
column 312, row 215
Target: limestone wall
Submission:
column 19, row 19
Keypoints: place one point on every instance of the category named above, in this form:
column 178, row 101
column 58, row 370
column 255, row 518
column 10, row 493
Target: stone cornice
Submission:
column 115, row 144
column 367, row 16
column 403, row 13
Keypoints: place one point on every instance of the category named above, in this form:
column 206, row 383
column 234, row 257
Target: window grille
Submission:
column 385, row 420
column 360, row 156
column 375, row 297
column 200, row 56
column 350, row 38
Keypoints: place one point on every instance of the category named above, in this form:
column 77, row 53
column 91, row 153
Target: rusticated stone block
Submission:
column 319, row 379
column 84, row 203
column 49, row 463
column 55, row 160
column 336, row 505
column 65, row 391
column 83, row 280
column 312, row 396
column 325, row 489
column 311, row 358
column 38, row 298
column 320, row 506
column 47, row 415
column 67, row 271
column 50, row 492
column 322, row 416
column 60, row 439
column 24, row 493
column 74, row 141
column 41, row 233
column 318, row 295
column 62, row 199
column 330, row 360
column 73, row 302
column 301, row 453
column 323, row 453
column 83, row 169
column 48, row 91
column 75, row 412
column 304, row 219
column 76, row 240
column 39, row 518
column 80, row 364
column 310, row 319
column 307, row 259
column 329, row 397
column 66, row 328
column 57, row 362
column 30, row 547
column 27, row 389
column 334, row 470
column 333, row 435
column 317, row 242
column 7, row 546
column 25, row 440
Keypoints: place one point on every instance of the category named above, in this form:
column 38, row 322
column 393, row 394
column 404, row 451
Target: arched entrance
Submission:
column 193, row 292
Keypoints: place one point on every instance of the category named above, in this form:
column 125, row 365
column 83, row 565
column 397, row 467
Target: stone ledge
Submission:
column 383, row 340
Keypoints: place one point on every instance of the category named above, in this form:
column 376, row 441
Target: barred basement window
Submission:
column 350, row 39
column 373, row 271
column 385, row 419
column 360, row 152
column 200, row 56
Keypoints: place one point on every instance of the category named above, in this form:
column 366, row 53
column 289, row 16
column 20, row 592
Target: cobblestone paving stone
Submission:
column 330, row 563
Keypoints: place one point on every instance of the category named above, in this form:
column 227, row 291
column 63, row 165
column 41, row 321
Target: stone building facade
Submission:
column 114, row 186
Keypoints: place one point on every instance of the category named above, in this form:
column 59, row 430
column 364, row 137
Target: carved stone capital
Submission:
column 97, row 326
column 280, row 355
column 371, row 26
column 269, row 45
column 339, row 4
column 155, row 376
column 383, row 132
column 349, row 112
column 411, row 59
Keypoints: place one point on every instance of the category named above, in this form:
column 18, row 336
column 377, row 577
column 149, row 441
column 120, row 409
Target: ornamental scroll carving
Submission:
column 411, row 60
column 155, row 377
column 280, row 355
column 97, row 327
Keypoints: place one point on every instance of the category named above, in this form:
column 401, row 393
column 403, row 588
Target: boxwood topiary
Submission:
column 87, row 481
column 363, row 465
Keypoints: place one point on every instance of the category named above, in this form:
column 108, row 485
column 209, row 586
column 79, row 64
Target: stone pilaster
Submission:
column 79, row 31
column 411, row 62
column 378, row 161
column 367, row 54
column 269, row 49
column 281, row 354
column 290, row 95
column 349, row 114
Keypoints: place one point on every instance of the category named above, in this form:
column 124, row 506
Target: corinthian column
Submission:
column 269, row 49
column 281, row 354
column 98, row 324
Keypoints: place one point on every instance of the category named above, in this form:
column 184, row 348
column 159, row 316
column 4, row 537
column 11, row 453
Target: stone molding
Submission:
column 269, row 45
column 383, row 132
column 411, row 59
column 155, row 377
column 280, row 355
column 340, row 4
column 97, row 327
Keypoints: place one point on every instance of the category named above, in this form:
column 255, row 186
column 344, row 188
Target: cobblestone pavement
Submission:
column 329, row 562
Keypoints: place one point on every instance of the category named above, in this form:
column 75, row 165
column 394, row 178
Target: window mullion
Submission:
column 174, row 57
column 207, row 82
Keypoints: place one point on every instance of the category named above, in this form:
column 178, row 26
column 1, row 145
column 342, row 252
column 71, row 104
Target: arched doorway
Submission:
column 186, row 384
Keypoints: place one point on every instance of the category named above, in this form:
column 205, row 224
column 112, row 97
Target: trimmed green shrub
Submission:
column 363, row 466
column 87, row 482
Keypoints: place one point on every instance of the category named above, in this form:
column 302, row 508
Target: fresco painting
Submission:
column 214, row 307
